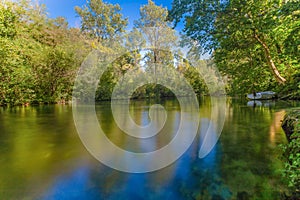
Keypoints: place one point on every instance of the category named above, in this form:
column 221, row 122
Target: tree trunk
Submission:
column 270, row 61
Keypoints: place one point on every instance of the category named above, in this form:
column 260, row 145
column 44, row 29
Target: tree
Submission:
column 103, row 24
column 39, row 56
column 15, row 76
column 101, row 20
column 157, row 32
column 243, row 35
column 160, row 39
column 7, row 21
column 135, row 43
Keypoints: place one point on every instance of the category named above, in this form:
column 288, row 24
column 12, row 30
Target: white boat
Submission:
column 262, row 95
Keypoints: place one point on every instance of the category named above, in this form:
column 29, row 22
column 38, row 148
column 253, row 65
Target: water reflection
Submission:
column 208, row 137
column 275, row 127
column 264, row 103
column 43, row 158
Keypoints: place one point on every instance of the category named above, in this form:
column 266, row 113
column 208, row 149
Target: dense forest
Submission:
column 255, row 46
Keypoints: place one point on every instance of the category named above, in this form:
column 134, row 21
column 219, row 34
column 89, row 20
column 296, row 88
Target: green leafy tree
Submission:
column 160, row 37
column 249, row 39
column 39, row 56
column 15, row 75
column 135, row 43
column 101, row 20
column 157, row 32
column 7, row 21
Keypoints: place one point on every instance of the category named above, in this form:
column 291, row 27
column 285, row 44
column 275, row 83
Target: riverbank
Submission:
column 290, row 96
column 291, row 123
column 291, row 152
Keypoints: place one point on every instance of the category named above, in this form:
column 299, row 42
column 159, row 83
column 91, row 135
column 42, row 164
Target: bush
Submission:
column 291, row 153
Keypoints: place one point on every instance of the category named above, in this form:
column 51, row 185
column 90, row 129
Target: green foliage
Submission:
column 292, row 165
column 193, row 76
column 157, row 32
column 291, row 153
column 54, row 75
column 7, row 21
column 101, row 20
column 106, row 85
column 254, row 43
column 16, row 79
column 38, row 55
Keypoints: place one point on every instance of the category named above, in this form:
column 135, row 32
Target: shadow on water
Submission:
column 43, row 158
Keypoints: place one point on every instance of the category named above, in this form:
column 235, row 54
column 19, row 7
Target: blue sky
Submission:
column 65, row 8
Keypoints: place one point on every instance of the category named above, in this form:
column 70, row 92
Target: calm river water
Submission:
column 42, row 156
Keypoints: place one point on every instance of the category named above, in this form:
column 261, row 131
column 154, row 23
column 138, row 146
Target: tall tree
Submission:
column 101, row 20
column 159, row 36
column 157, row 31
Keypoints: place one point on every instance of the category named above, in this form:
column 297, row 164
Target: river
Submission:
column 42, row 156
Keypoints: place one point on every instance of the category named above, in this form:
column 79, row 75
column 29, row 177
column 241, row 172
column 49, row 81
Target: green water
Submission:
column 42, row 156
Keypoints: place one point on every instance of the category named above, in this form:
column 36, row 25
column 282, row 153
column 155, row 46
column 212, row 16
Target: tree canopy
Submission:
column 38, row 61
column 101, row 20
column 252, row 42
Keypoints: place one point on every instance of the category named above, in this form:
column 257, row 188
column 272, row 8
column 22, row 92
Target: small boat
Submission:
column 262, row 95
